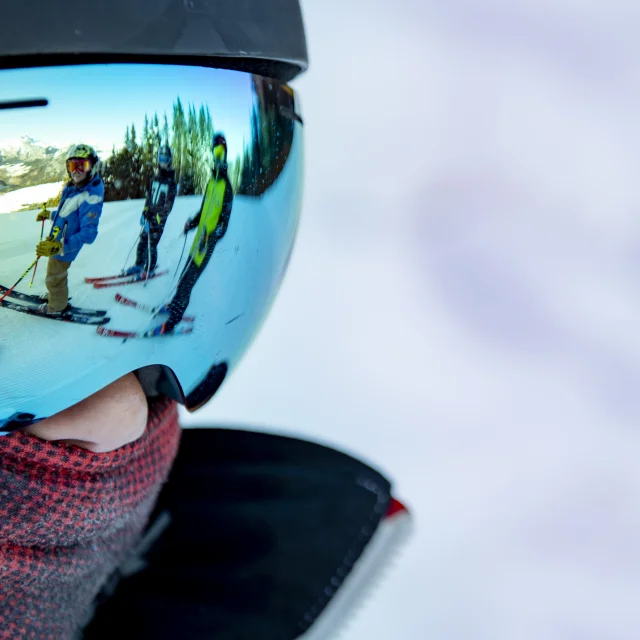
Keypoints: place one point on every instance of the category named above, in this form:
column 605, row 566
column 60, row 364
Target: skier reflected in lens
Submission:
column 74, row 224
column 161, row 195
column 211, row 223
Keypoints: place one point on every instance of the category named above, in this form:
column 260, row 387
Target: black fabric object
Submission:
column 263, row 529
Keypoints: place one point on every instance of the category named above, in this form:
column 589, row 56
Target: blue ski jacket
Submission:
column 77, row 217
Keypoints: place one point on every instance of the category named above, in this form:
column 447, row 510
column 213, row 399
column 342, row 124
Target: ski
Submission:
column 92, row 280
column 127, row 302
column 104, row 278
column 115, row 333
column 67, row 316
column 124, row 280
column 36, row 299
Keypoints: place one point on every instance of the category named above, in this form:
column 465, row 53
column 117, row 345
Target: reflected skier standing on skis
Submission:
column 211, row 222
column 74, row 224
column 157, row 207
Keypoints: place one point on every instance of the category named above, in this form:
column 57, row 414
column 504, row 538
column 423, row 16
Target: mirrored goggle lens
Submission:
column 77, row 164
column 138, row 267
column 218, row 152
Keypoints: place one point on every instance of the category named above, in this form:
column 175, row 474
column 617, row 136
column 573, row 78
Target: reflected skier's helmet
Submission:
column 84, row 157
column 211, row 290
column 164, row 156
column 219, row 147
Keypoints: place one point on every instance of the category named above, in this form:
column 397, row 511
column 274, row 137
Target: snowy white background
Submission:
column 463, row 306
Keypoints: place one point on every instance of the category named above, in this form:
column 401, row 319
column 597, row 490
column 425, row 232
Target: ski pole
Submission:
column 135, row 242
column 33, row 264
column 34, row 271
column 148, row 269
column 148, row 248
column 184, row 244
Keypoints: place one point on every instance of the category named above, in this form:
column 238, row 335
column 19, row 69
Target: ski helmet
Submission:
column 164, row 156
column 47, row 64
column 83, row 152
column 219, row 148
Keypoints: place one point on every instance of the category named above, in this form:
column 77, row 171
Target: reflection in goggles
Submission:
column 219, row 152
column 78, row 164
column 169, row 247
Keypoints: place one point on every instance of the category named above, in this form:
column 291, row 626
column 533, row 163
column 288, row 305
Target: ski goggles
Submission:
column 219, row 152
column 78, row 164
column 185, row 296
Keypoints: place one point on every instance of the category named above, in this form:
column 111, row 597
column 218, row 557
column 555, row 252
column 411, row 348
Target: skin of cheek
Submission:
column 110, row 418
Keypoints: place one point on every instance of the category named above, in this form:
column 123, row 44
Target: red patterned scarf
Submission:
column 68, row 518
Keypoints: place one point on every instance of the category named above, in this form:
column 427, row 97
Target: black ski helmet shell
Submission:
column 259, row 36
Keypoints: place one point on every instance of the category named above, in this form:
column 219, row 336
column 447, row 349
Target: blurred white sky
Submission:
column 462, row 308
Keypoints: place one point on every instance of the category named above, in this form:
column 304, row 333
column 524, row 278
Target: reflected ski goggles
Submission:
column 132, row 267
column 219, row 152
column 78, row 164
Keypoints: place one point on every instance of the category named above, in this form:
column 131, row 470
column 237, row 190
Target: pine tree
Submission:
column 235, row 173
column 178, row 142
column 189, row 154
column 264, row 156
column 165, row 129
column 204, row 157
column 146, row 155
column 252, row 159
column 155, row 138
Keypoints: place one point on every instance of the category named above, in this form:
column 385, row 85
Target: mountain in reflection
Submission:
column 27, row 162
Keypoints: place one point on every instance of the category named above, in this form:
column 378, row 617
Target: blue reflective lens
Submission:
column 136, row 264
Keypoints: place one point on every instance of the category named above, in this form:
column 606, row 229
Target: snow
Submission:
column 15, row 144
column 462, row 306
column 17, row 169
column 15, row 200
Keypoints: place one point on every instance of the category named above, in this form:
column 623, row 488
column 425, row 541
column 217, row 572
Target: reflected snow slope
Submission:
column 227, row 303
